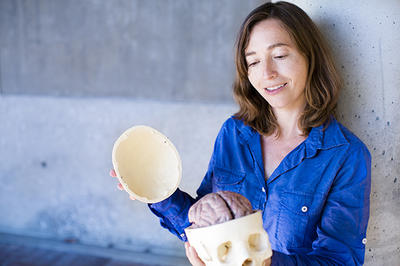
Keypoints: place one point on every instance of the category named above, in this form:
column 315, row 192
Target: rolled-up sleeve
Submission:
column 173, row 212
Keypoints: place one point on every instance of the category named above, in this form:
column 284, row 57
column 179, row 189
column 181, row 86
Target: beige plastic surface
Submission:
column 147, row 164
column 242, row 241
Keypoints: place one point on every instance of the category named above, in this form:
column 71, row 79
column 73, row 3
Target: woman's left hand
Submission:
column 191, row 254
column 267, row 262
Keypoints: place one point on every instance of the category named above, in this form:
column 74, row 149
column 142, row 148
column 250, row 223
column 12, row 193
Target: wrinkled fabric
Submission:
column 315, row 204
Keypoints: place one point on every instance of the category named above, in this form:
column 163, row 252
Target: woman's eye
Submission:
column 252, row 64
column 280, row 56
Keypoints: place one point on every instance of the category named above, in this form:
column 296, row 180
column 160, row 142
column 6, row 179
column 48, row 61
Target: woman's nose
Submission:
column 269, row 71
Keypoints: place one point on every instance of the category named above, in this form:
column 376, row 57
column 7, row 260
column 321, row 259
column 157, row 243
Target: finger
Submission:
column 120, row 187
column 112, row 173
column 195, row 260
column 188, row 253
column 131, row 197
column 192, row 256
column 267, row 262
column 193, row 252
column 187, row 249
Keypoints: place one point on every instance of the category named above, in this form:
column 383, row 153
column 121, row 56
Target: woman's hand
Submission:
column 120, row 187
column 192, row 256
column 267, row 262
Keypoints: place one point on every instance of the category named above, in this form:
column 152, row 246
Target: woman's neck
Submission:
column 288, row 123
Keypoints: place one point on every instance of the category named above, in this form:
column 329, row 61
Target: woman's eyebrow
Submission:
column 277, row 45
column 269, row 48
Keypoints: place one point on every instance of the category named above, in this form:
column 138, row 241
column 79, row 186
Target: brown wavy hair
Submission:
column 323, row 81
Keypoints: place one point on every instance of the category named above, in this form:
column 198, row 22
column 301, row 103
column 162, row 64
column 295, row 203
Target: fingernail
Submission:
column 120, row 187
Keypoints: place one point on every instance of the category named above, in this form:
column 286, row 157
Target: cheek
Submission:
column 299, row 70
column 252, row 76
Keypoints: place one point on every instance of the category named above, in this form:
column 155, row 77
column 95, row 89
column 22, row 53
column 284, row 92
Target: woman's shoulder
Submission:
column 233, row 123
column 234, row 126
column 337, row 130
column 234, row 132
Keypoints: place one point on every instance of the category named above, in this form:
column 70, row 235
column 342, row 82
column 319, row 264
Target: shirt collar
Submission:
column 326, row 136
column 323, row 137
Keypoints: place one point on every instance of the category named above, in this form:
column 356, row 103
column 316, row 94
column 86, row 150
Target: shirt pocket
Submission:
column 226, row 179
column 296, row 211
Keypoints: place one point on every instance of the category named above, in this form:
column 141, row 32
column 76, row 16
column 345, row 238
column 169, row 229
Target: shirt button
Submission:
column 304, row 209
column 263, row 189
column 364, row 241
column 182, row 235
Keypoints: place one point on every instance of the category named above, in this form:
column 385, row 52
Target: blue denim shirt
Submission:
column 315, row 204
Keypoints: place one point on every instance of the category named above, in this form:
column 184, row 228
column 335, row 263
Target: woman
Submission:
column 284, row 150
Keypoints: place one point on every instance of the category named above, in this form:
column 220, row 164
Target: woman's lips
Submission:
column 275, row 91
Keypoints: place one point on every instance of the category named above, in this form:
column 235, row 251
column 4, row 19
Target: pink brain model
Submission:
column 219, row 207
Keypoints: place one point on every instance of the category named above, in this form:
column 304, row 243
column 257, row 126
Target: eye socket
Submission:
column 257, row 242
column 248, row 262
column 223, row 251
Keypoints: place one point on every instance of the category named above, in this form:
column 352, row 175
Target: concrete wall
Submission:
column 76, row 74
column 55, row 159
column 364, row 36
column 166, row 50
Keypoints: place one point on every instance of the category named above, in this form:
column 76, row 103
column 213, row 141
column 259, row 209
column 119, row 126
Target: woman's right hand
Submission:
column 192, row 256
column 120, row 187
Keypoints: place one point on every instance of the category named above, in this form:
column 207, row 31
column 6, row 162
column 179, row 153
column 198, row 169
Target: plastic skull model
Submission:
column 238, row 242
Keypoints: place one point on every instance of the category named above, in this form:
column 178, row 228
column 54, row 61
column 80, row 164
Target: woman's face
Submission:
column 276, row 68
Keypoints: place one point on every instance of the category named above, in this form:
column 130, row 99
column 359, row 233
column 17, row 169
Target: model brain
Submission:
column 219, row 207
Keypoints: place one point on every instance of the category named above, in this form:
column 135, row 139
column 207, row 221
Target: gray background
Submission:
column 166, row 50
column 75, row 74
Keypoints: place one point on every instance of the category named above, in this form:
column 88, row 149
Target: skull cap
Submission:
column 147, row 164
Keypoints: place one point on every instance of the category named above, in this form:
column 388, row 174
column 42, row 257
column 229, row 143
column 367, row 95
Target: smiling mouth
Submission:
column 276, row 87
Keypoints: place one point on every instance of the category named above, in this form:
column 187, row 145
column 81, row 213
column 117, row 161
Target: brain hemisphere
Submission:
column 219, row 207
